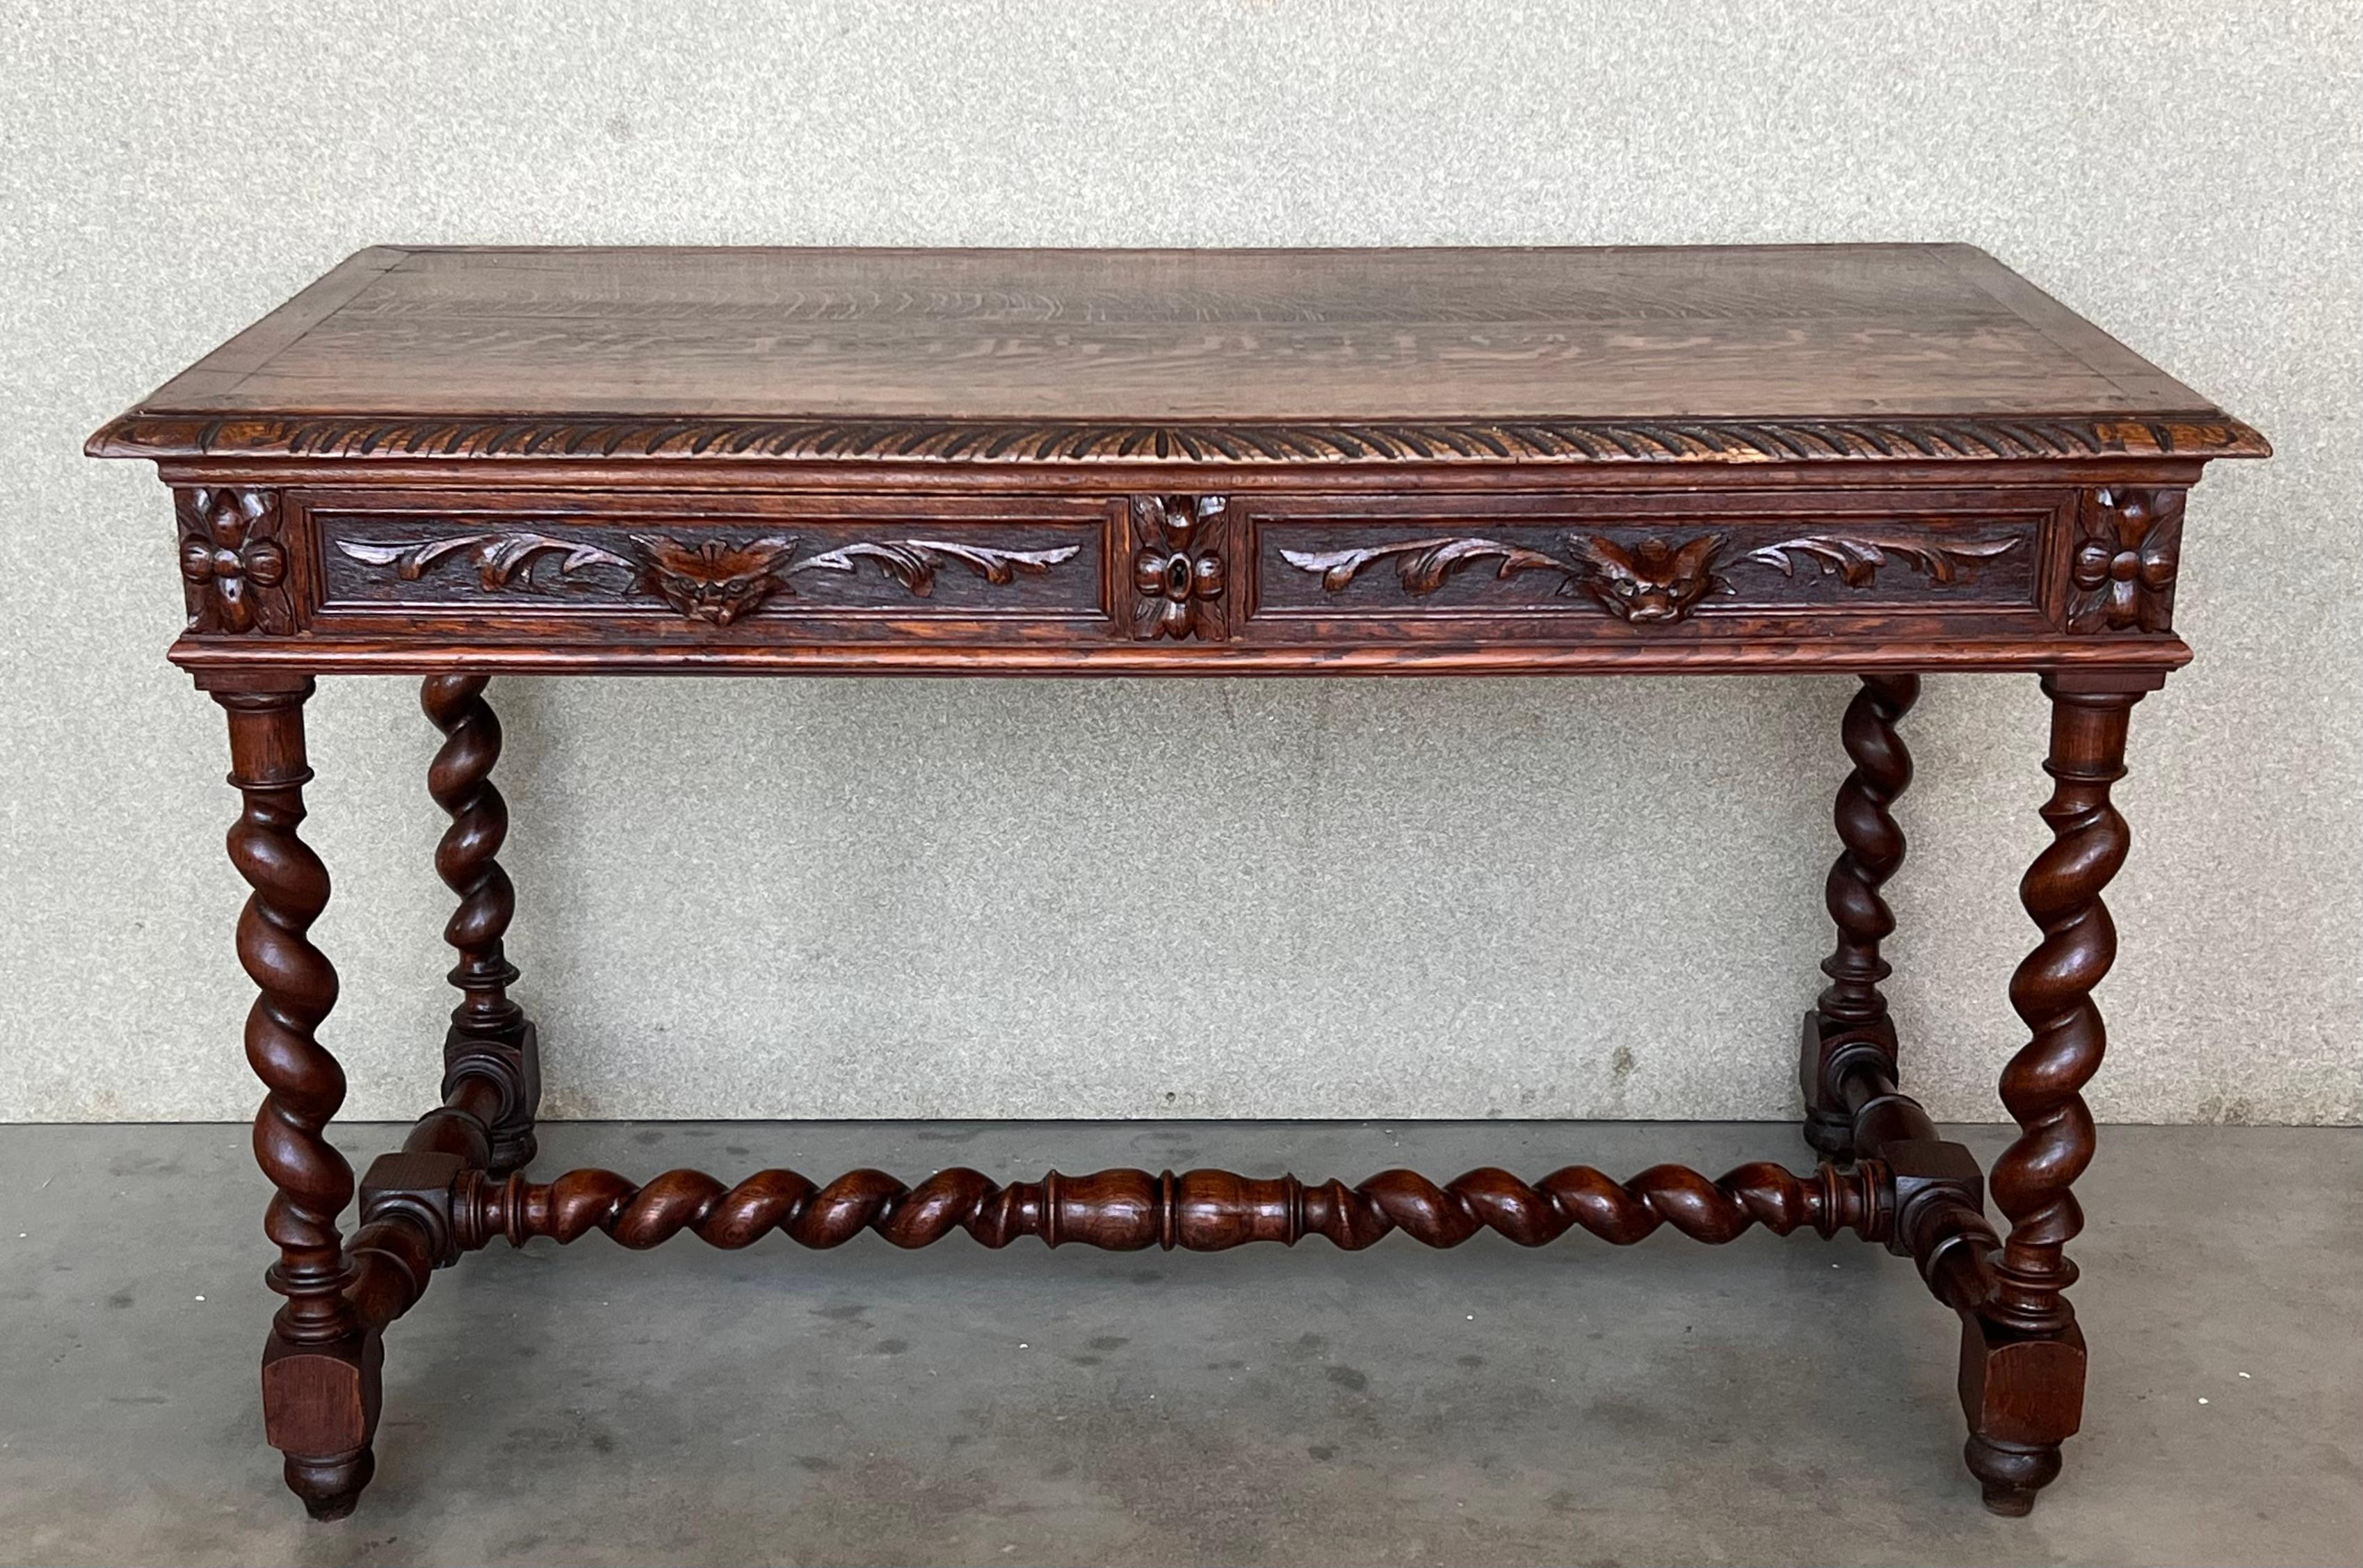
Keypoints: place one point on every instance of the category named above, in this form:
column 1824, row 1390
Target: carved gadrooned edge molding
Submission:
column 711, row 580
column 1652, row 582
column 1927, row 437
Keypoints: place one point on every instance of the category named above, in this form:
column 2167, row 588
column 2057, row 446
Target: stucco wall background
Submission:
column 1233, row 899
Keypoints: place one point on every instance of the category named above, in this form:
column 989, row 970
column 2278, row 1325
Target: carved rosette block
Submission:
column 234, row 566
column 1180, row 567
column 2128, row 549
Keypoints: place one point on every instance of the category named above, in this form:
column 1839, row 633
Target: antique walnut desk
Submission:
column 1874, row 460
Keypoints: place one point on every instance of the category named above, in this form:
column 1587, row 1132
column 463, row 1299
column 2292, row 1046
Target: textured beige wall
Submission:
column 1314, row 898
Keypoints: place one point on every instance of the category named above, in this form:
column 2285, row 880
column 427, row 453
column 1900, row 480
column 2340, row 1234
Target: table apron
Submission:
column 2033, row 576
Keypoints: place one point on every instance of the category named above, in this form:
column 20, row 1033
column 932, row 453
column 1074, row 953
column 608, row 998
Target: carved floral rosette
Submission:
column 234, row 566
column 1181, row 567
column 2128, row 551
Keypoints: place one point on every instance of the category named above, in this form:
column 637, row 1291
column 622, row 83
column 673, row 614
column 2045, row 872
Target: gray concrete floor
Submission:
column 1775, row 1401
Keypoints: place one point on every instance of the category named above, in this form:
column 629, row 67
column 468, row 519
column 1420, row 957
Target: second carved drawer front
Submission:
column 1632, row 567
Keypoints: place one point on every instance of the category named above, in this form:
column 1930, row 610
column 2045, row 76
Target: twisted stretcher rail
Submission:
column 1202, row 1211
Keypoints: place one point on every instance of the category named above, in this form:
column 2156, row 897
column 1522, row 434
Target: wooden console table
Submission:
column 1873, row 459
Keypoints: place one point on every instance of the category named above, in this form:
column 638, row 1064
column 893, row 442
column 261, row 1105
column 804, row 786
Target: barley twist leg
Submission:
column 490, row 1036
column 319, row 1365
column 1851, row 1010
column 2022, row 1357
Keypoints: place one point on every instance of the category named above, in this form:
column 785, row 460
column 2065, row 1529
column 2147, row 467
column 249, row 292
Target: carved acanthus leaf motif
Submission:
column 912, row 562
column 1856, row 562
column 499, row 556
column 712, row 580
column 1651, row 581
column 1421, row 564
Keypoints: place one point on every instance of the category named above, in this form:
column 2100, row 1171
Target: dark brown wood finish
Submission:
column 1852, row 1010
column 319, row 1365
column 1198, row 1211
column 490, row 1037
column 1877, row 460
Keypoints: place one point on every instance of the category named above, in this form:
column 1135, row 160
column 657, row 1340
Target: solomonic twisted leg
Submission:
column 1852, row 1012
column 2022, row 1355
column 320, row 1364
column 490, row 1037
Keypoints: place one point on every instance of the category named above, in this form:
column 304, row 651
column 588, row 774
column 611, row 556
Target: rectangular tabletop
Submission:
column 1170, row 459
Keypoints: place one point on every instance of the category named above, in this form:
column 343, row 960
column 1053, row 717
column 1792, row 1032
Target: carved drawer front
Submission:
column 707, row 568
column 1633, row 566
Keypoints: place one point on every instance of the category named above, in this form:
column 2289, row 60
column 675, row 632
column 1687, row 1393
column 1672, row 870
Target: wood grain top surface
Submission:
column 1745, row 353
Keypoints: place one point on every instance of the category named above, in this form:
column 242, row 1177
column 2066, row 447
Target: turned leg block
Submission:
column 2023, row 1396
column 1821, row 1056
column 320, row 1408
column 513, row 1065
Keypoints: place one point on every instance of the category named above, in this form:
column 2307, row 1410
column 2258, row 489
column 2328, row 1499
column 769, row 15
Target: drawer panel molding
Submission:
column 712, row 568
column 712, row 579
column 1659, row 579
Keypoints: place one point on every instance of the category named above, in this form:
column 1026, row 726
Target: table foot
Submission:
column 320, row 1406
column 1993, row 1466
column 331, row 1488
column 2009, row 1476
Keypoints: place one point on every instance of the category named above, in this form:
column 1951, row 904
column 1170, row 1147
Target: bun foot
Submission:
column 331, row 1488
column 2009, row 1502
column 2010, row 1476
